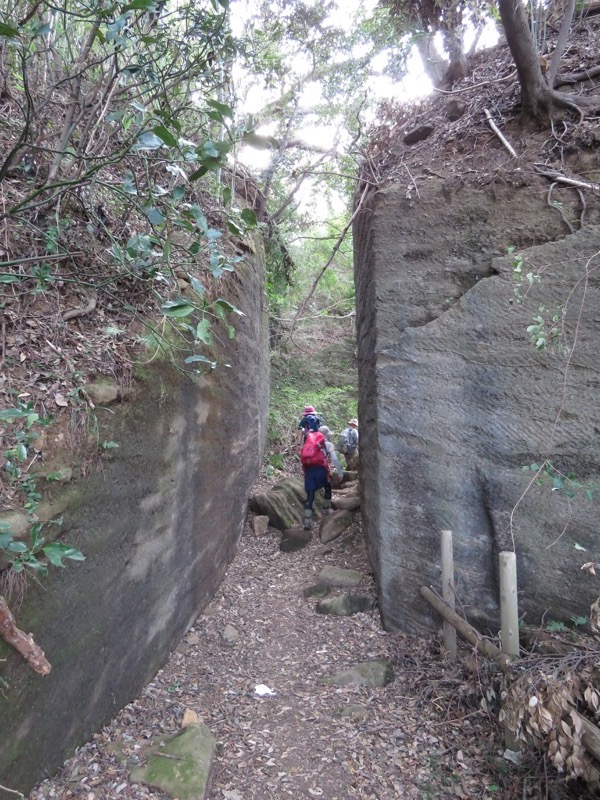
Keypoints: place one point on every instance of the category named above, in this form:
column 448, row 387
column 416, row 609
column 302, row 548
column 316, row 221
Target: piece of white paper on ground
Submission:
column 263, row 691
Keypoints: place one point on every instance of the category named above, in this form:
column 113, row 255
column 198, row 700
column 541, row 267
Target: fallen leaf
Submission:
column 189, row 718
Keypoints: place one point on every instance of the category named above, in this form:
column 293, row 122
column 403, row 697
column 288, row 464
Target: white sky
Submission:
column 252, row 98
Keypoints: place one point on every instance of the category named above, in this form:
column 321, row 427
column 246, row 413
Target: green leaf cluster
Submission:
column 568, row 484
column 35, row 554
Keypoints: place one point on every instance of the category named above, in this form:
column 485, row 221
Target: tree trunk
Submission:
column 455, row 46
column 536, row 96
column 434, row 64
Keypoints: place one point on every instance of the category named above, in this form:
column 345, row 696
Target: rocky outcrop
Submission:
column 283, row 504
column 180, row 765
column 334, row 525
column 158, row 519
column 368, row 673
column 456, row 401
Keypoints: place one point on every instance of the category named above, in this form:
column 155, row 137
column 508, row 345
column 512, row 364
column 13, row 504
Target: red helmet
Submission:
column 309, row 410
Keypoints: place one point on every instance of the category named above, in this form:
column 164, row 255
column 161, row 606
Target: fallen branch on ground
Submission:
column 577, row 77
column 591, row 734
column 500, row 135
column 5, row 788
column 475, row 85
column 467, row 631
column 22, row 642
column 556, row 176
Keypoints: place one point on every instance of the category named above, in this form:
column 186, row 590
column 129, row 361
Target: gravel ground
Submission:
column 421, row 736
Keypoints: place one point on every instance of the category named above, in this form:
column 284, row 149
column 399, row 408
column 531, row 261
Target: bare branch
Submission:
column 336, row 247
column 290, row 196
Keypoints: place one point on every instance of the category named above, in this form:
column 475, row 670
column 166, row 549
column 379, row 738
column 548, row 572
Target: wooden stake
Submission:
column 448, row 590
column 509, row 634
column 509, row 608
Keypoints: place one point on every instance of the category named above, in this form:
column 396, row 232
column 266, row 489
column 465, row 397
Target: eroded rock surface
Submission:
column 455, row 400
column 158, row 519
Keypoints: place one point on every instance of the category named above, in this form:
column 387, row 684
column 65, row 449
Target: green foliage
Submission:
column 319, row 374
column 276, row 461
column 546, row 333
column 554, row 626
column 279, row 273
column 547, row 328
column 26, row 555
column 522, row 280
column 20, row 437
column 579, row 621
column 567, row 484
column 135, row 153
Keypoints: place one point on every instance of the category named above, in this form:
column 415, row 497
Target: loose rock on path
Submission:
column 420, row 736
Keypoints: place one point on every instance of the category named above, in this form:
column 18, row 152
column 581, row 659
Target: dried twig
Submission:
column 414, row 183
column 36, row 259
column 3, row 346
column 500, row 135
column 11, row 791
column 476, row 85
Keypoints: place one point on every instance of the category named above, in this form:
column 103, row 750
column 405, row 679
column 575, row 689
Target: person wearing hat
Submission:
column 315, row 458
column 309, row 422
column 348, row 444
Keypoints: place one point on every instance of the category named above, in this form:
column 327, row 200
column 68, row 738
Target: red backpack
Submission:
column 312, row 454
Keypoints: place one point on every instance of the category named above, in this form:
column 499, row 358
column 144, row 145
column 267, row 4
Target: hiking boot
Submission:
column 307, row 524
column 326, row 511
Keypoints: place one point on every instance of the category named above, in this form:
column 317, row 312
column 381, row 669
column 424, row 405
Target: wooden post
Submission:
column 509, row 621
column 448, row 589
column 509, row 608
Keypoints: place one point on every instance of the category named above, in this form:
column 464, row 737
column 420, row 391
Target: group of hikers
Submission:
column 318, row 453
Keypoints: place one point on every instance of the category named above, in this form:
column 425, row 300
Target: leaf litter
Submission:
column 423, row 735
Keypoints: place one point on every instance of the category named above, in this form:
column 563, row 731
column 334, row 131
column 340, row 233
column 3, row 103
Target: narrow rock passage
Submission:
column 409, row 739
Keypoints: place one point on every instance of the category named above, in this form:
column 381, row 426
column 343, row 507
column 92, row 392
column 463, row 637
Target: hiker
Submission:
column 316, row 474
column 332, row 455
column 309, row 422
column 348, row 444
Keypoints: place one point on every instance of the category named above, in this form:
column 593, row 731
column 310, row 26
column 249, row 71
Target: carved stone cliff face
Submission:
column 455, row 400
column 158, row 524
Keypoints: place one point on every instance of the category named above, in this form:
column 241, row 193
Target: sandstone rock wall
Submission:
column 158, row 519
column 455, row 400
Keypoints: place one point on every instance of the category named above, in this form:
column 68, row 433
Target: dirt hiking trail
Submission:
column 423, row 735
